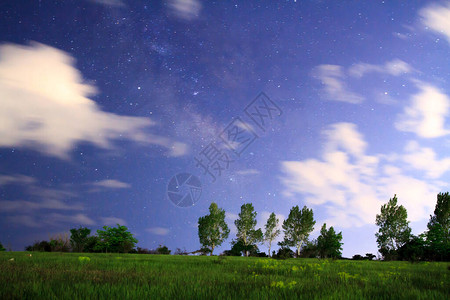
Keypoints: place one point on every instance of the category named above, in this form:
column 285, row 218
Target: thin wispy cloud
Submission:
column 395, row 67
column 158, row 230
column 22, row 205
column 334, row 84
column 111, row 184
column 185, row 9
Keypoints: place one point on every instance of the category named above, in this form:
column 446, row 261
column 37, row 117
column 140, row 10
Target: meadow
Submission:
column 138, row 276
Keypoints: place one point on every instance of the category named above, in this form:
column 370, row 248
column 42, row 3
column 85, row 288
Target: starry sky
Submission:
column 142, row 113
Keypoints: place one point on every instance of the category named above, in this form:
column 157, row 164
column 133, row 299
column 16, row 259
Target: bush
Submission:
column 357, row 257
column 163, row 250
column 2, row 248
column 284, row 253
column 42, row 246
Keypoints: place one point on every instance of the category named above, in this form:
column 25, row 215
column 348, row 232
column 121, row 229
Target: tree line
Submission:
column 394, row 238
column 213, row 231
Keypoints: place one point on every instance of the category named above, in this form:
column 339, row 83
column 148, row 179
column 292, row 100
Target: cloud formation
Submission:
column 437, row 18
column 22, row 206
column 158, row 230
column 395, row 67
column 112, row 184
column 335, row 88
column 426, row 114
column 185, row 9
column 352, row 185
column 44, row 105
column 52, row 219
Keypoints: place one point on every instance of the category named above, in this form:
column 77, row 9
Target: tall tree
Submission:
column 329, row 243
column 79, row 238
column 297, row 227
column 272, row 230
column 245, row 225
column 394, row 230
column 212, row 228
column 115, row 239
column 438, row 235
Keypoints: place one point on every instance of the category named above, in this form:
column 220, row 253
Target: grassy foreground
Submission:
column 128, row 276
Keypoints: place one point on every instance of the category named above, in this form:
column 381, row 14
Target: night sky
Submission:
column 130, row 112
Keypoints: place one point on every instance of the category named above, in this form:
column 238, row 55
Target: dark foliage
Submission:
column 284, row 253
column 42, row 246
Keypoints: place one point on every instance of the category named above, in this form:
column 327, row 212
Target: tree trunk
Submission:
column 269, row 249
column 212, row 249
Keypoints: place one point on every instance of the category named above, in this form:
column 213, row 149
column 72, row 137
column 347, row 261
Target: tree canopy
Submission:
column 79, row 238
column 271, row 230
column 329, row 243
column 297, row 227
column 394, row 230
column 115, row 239
column 212, row 228
column 245, row 225
column 437, row 236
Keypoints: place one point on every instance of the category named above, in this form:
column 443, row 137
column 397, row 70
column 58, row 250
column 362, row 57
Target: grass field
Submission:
column 127, row 276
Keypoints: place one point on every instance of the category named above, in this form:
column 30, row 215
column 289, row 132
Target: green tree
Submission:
column 394, row 230
column 438, row 235
column 329, row 243
column 115, row 239
column 212, row 228
column 79, row 238
column 297, row 227
column 272, row 231
column 2, row 248
column 163, row 250
column 245, row 225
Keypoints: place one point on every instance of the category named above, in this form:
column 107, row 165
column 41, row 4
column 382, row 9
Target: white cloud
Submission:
column 16, row 179
column 185, row 9
column 21, row 205
column 424, row 159
column 395, row 67
column 335, row 88
column 158, row 230
column 81, row 219
column 112, row 183
column 437, row 18
column 352, row 185
column 53, row 219
column 113, row 221
column 426, row 114
column 44, row 105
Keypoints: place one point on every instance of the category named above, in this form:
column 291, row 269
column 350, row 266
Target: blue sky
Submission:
column 103, row 102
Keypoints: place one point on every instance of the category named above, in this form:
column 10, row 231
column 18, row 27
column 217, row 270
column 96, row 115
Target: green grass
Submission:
column 127, row 276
